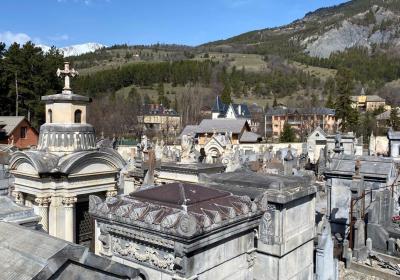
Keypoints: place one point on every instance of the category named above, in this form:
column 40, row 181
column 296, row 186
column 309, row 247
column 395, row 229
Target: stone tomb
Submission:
column 345, row 174
column 284, row 246
column 169, row 172
column 179, row 231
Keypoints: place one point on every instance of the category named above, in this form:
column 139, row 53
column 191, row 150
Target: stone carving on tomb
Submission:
column 43, row 201
column 19, row 197
column 144, row 143
column 143, row 254
column 172, row 220
column 111, row 193
column 105, row 239
column 267, row 229
column 251, row 258
column 69, row 201
column 188, row 153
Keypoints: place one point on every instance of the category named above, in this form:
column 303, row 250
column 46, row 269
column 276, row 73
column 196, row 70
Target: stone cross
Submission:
column 66, row 74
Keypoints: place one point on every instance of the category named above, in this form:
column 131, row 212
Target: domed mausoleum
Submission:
column 57, row 178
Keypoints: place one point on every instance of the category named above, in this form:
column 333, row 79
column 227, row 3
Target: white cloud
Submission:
column 9, row 37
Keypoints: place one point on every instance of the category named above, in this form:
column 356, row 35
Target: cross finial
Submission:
column 67, row 73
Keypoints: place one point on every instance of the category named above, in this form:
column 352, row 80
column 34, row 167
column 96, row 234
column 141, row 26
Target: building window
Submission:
column 24, row 129
column 78, row 116
column 50, row 115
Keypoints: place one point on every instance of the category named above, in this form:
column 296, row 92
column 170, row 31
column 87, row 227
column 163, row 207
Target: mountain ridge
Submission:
column 77, row 49
column 363, row 23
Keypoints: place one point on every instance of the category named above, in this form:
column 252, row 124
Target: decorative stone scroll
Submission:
column 133, row 251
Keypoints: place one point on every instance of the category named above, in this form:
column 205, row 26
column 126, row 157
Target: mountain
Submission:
column 76, row 50
column 358, row 23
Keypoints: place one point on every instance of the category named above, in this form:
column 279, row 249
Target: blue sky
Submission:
column 191, row 22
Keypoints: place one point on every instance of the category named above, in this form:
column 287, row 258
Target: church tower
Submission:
column 58, row 176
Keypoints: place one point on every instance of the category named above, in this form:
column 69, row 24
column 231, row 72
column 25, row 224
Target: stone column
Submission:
column 43, row 207
column 328, row 198
column 69, row 217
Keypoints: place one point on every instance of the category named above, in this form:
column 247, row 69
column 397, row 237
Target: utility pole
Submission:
column 16, row 94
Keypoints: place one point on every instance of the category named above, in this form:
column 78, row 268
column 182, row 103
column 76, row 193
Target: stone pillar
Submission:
column 328, row 198
column 69, row 218
column 43, row 207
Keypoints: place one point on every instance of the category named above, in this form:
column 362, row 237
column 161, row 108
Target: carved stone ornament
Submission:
column 111, row 193
column 19, row 197
column 187, row 225
column 262, row 202
column 131, row 250
column 267, row 229
column 43, row 201
column 251, row 258
column 69, row 201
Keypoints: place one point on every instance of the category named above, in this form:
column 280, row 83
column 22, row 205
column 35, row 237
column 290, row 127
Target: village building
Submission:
column 219, row 135
column 366, row 103
column 234, row 111
column 160, row 120
column 302, row 120
column 18, row 132
column 67, row 166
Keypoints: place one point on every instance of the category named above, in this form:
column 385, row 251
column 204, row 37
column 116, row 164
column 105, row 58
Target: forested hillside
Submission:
column 34, row 72
column 266, row 67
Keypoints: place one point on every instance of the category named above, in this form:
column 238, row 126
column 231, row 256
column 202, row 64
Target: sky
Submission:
column 190, row 22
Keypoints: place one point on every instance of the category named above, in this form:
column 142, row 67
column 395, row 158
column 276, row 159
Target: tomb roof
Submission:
column 183, row 210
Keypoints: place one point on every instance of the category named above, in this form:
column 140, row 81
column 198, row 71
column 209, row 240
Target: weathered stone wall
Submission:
column 297, row 264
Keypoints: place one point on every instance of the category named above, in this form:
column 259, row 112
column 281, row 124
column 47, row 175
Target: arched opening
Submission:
column 78, row 116
column 50, row 115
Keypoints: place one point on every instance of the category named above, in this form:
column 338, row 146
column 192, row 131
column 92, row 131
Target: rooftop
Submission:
column 279, row 111
column 182, row 210
column 372, row 167
column 280, row 189
column 9, row 123
column 28, row 254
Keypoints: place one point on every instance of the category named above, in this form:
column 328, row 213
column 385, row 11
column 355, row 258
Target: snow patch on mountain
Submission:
column 76, row 49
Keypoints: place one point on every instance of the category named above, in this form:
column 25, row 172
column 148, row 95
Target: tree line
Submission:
column 34, row 72
column 145, row 74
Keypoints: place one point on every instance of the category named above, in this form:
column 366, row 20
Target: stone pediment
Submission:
column 40, row 163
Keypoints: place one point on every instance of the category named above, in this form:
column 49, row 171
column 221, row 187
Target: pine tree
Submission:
column 275, row 104
column 344, row 111
column 266, row 108
column 288, row 135
column 329, row 102
column 394, row 119
column 226, row 94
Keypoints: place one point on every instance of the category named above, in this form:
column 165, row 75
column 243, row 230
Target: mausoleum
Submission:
column 57, row 178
